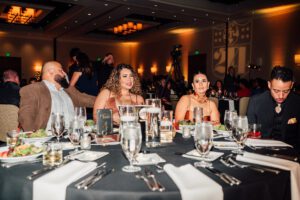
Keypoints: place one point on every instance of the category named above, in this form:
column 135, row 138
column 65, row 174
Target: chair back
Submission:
column 215, row 100
column 243, row 105
column 8, row 119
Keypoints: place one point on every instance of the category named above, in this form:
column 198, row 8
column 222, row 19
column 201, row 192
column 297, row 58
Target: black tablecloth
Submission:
column 121, row 185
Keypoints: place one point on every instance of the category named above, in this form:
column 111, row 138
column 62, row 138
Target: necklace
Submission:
column 278, row 108
column 200, row 99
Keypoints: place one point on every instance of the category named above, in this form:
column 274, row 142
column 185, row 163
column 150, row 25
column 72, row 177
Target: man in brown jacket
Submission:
column 41, row 99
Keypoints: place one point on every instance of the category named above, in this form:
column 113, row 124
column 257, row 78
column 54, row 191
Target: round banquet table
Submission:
column 122, row 185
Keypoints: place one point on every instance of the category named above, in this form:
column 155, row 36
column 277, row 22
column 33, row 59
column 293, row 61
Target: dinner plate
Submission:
column 224, row 133
column 37, row 139
column 17, row 159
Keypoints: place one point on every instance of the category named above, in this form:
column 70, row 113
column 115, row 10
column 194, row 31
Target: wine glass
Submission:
column 128, row 113
column 75, row 131
column 240, row 132
column 228, row 118
column 203, row 141
column 131, row 141
column 80, row 113
column 57, row 124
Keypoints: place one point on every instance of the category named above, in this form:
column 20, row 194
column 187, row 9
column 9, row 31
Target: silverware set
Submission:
column 150, row 179
column 230, row 180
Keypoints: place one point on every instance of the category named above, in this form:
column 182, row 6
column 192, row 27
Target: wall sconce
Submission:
column 140, row 71
column 297, row 59
column 153, row 70
column 37, row 71
column 168, row 68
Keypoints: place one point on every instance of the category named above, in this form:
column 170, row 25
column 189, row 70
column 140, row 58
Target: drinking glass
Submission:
column 240, row 132
column 166, row 126
column 254, row 130
column 12, row 138
column 80, row 113
column 57, row 124
column 152, row 122
column 131, row 141
column 198, row 114
column 128, row 113
column 203, row 141
column 75, row 131
column 52, row 154
column 228, row 118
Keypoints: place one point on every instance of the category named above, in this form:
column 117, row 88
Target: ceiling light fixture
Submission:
column 127, row 28
column 19, row 15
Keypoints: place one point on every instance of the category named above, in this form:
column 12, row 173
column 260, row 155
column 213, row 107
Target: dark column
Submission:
column 226, row 47
column 54, row 49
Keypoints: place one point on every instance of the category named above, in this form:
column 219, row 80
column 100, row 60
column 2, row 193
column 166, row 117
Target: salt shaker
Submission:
column 85, row 142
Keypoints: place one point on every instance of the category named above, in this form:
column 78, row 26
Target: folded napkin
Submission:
column 225, row 145
column 148, row 159
column 277, row 163
column 212, row 155
column 193, row 184
column 88, row 156
column 53, row 185
column 265, row 143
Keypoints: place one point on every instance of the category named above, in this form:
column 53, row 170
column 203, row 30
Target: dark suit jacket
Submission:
column 261, row 110
column 9, row 93
column 35, row 104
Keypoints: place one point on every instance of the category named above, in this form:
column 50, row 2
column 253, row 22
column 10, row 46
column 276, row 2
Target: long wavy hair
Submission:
column 84, row 64
column 113, row 82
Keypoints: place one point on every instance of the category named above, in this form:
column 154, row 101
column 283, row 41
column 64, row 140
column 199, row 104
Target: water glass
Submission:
column 131, row 142
column 254, row 131
column 75, row 131
column 198, row 114
column 128, row 113
column 80, row 113
column 52, row 154
column 57, row 124
column 12, row 138
column 153, row 122
column 203, row 142
column 240, row 132
column 166, row 126
column 228, row 119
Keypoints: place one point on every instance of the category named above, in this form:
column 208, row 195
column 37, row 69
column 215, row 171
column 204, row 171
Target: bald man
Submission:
column 51, row 95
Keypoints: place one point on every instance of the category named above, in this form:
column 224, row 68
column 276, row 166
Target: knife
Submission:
column 97, row 178
column 221, row 176
column 291, row 158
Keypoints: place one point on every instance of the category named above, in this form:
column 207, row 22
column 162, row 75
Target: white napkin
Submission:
column 193, row 184
column 277, row 163
column 225, row 145
column 212, row 155
column 231, row 104
column 148, row 159
column 53, row 185
column 88, row 156
column 265, row 143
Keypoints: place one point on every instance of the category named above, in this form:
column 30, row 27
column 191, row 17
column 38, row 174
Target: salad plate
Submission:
column 33, row 153
column 38, row 136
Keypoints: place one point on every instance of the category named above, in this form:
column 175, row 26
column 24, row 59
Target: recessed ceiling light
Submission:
column 128, row 8
column 76, row 21
column 195, row 19
column 206, row 14
column 95, row 24
column 65, row 27
column 89, row 14
column 155, row 5
column 75, row 0
column 109, row 17
column 182, row 10
column 213, row 22
column 106, row 4
column 174, row 16
column 153, row 12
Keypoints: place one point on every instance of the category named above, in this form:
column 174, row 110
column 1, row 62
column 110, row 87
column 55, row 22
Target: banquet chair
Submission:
column 215, row 100
column 243, row 105
column 8, row 119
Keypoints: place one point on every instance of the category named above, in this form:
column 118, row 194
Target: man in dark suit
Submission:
column 278, row 110
column 9, row 89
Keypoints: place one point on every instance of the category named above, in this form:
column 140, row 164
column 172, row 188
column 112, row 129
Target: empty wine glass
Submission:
column 131, row 141
column 75, row 131
column 240, row 132
column 228, row 118
column 203, row 141
column 80, row 113
column 57, row 124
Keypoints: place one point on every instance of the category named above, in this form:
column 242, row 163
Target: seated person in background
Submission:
column 187, row 103
column 51, row 95
column 163, row 92
column 9, row 89
column 217, row 90
column 243, row 90
column 278, row 110
column 122, row 88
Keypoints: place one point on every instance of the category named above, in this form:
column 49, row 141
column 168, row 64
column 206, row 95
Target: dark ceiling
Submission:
column 96, row 18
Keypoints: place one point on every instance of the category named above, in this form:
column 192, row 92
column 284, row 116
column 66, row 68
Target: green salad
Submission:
column 89, row 122
column 37, row 134
column 25, row 150
column 220, row 127
column 186, row 122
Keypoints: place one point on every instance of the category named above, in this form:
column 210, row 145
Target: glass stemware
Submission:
column 228, row 118
column 80, row 113
column 75, row 131
column 240, row 132
column 203, row 142
column 57, row 124
column 128, row 113
column 131, row 141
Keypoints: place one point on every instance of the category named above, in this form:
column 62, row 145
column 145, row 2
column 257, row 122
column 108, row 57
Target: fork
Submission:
column 158, row 186
column 139, row 175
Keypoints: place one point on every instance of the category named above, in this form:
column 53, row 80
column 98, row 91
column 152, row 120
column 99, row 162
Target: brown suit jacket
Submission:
column 35, row 104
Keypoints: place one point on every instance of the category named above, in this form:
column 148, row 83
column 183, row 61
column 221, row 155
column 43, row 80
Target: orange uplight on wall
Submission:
column 168, row 68
column 140, row 71
column 153, row 70
column 278, row 9
column 297, row 59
